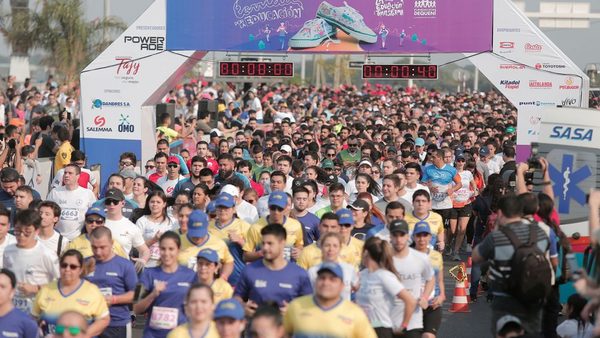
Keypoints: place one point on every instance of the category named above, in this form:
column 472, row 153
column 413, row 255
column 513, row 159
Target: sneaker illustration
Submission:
column 347, row 19
column 312, row 34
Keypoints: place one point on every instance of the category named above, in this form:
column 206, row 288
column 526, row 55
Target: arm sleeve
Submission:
column 138, row 239
column 391, row 284
column 250, row 245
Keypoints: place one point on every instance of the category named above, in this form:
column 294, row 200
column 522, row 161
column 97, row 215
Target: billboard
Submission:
column 334, row 26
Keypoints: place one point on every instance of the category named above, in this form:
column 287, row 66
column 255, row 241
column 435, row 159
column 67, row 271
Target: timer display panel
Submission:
column 257, row 69
column 419, row 72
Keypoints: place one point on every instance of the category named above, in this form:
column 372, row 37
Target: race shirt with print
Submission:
column 440, row 179
column 189, row 250
column 222, row 231
column 293, row 239
column 462, row 196
column 167, row 185
column 435, row 221
column 73, row 205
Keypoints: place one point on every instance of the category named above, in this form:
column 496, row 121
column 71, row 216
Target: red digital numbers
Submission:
column 424, row 72
column 274, row 69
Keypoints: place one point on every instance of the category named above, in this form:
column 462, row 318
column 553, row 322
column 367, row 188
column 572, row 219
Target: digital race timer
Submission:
column 266, row 69
column 421, row 72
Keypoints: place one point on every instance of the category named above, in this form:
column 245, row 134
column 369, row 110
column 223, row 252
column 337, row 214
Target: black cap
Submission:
column 398, row 225
column 114, row 194
column 359, row 204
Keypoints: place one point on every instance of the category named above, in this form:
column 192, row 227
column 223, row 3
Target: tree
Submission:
column 18, row 31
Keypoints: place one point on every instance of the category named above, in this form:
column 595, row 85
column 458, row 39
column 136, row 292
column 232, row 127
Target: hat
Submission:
column 229, row 308
column 286, row 148
column 327, row 164
column 422, row 228
column 96, row 211
column 173, row 159
column 216, row 133
column 278, row 199
column 345, row 216
column 334, row 268
column 211, row 207
column 365, row 162
column 484, row 151
column 277, row 120
column 392, row 150
column 510, row 130
column 198, row 224
column 128, row 173
column 209, row 254
column 419, row 142
column 114, row 194
column 225, row 200
column 231, row 190
column 398, row 225
column 359, row 204
column 505, row 320
column 459, row 156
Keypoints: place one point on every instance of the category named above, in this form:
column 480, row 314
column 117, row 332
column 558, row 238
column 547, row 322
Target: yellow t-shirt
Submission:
column 169, row 133
column 311, row 255
column 304, row 318
column 292, row 227
column 50, row 303
column 83, row 245
column 189, row 251
column 183, row 331
column 436, row 224
column 221, row 289
column 236, row 226
column 63, row 156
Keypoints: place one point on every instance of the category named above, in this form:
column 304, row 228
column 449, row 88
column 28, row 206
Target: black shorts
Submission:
column 465, row 211
column 432, row 320
column 446, row 215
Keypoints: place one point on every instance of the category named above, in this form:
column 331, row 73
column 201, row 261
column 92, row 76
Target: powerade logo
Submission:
column 124, row 125
column 425, row 8
column 510, row 84
column 99, row 104
column 569, row 84
column 572, row 134
column 535, row 84
column 146, row 42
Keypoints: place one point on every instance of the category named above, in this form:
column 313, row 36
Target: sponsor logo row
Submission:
column 100, row 125
column 568, row 84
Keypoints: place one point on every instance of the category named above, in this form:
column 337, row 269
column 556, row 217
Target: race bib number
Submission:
column 69, row 214
column 439, row 196
column 106, row 291
column 192, row 263
column 155, row 252
column 23, row 303
column 287, row 253
column 164, row 318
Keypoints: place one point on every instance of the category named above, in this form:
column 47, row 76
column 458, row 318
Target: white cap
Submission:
column 277, row 120
column 286, row 148
column 231, row 190
column 365, row 162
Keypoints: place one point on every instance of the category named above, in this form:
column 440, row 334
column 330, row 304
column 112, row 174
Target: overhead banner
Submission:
column 336, row 26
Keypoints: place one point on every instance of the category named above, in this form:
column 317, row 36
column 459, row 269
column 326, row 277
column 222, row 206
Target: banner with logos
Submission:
column 333, row 26
column 531, row 71
column 134, row 71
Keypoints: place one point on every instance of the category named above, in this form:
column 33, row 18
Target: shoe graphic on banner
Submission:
column 347, row 19
column 312, row 34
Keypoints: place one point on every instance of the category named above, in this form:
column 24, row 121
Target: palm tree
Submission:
column 17, row 29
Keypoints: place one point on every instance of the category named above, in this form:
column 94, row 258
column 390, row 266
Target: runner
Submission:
column 208, row 266
column 14, row 322
column 6, row 239
column 229, row 319
column 154, row 223
column 94, row 218
column 173, row 176
column 48, row 236
column 310, row 222
column 422, row 213
column 199, row 311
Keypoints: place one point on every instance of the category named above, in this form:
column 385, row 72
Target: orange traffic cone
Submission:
column 459, row 301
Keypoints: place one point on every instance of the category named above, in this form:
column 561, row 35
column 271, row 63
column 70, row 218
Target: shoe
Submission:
column 447, row 251
column 347, row 19
column 312, row 34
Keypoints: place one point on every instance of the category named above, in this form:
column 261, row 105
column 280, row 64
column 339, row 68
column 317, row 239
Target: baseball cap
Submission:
column 277, row 120
column 505, row 320
column 198, row 224
column 229, row 308
column 345, row 216
column 128, row 173
column 286, row 148
column 327, row 164
column 114, row 194
column 419, row 142
column 422, row 228
column 224, row 200
column 365, row 162
column 211, row 207
column 484, row 151
column 398, row 225
column 359, row 204
column 510, row 130
column 278, row 199
column 173, row 159
column 334, row 268
column 231, row 190
column 209, row 254
column 96, row 211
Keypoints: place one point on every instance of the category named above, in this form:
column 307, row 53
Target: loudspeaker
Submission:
column 210, row 107
column 168, row 108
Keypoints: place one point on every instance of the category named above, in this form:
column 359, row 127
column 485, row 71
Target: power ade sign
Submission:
column 146, row 42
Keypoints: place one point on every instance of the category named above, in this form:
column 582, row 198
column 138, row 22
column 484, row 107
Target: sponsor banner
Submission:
column 381, row 26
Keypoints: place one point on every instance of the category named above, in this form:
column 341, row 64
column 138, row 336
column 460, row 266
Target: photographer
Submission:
column 10, row 148
column 525, row 172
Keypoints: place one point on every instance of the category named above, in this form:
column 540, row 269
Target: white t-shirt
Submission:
column 247, row 212
column 350, row 277
column 167, row 185
column 414, row 269
column 58, row 179
column 37, row 266
column 73, row 204
column 262, row 207
column 8, row 240
column 126, row 233
column 493, row 167
column 376, row 295
column 52, row 242
column 409, row 192
column 570, row 329
column 149, row 229
column 464, row 193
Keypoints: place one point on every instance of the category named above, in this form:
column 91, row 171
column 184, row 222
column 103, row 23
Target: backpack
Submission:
column 529, row 280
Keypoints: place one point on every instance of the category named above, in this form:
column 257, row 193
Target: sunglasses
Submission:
column 73, row 330
column 111, row 202
column 94, row 220
column 124, row 164
column 274, row 208
column 172, row 165
column 70, row 266
column 150, row 167
column 352, row 145
column 330, row 155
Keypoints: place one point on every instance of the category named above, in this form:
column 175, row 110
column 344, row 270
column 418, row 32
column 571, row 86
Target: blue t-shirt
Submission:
column 261, row 284
column 439, row 176
column 172, row 297
column 17, row 324
column 310, row 228
column 184, row 185
column 115, row 277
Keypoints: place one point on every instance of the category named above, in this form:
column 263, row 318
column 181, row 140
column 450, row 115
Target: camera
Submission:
column 12, row 143
column 534, row 160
